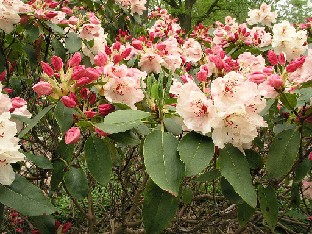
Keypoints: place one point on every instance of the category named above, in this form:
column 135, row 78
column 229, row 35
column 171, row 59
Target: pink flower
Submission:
column 275, row 81
column 72, row 135
column 151, row 62
column 57, row 63
column 75, row 60
column 43, row 88
column 310, row 156
column 90, row 114
column 100, row 59
column 47, row 69
column 69, row 101
column 257, row 77
column 105, row 109
column 18, row 102
column 137, row 44
column 202, row 75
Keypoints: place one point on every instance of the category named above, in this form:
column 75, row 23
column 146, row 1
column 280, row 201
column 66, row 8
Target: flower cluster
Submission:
column 9, row 148
column 9, row 13
column 262, row 16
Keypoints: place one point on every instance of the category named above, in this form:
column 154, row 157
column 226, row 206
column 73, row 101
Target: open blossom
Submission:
column 151, row 62
column 8, row 149
column 195, row 108
column 192, row 50
column 9, row 10
column 138, row 6
column 238, row 103
column 42, row 88
column 124, row 85
column 286, row 39
column 263, row 15
column 249, row 63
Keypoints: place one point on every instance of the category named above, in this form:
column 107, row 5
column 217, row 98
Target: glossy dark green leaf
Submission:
column 39, row 160
column 73, row 42
column 64, row 116
column 76, row 182
column 159, row 208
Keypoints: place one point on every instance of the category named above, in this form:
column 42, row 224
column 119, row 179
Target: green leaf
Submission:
column 122, row 120
column 306, row 84
column 39, row 161
column 304, row 96
column 34, row 121
column 25, row 197
column 235, row 168
column 187, row 196
column 196, row 151
column 44, row 223
column 55, row 28
column 209, row 176
column 98, row 159
column 283, row 153
column 76, row 182
column 159, row 208
column 125, row 138
column 64, row 116
column 31, row 33
column 244, row 213
column 31, row 54
column 302, row 170
column 254, row 159
column 73, row 42
column 278, row 128
column 229, row 192
column 59, row 49
column 289, row 100
column 162, row 162
column 172, row 126
column 21, row 118
column 268, row 205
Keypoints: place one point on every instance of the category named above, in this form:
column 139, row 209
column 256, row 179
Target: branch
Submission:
column 208, row 12
column 172, row 3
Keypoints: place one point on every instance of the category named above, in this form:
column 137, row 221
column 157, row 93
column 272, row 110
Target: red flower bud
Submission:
column 272, row 57
column 100, row 59
column 69, row 102
column 75, row 60
column 275, row 81
column 105, row 109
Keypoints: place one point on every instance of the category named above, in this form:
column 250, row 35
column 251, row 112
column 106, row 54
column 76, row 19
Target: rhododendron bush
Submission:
column 93, row 97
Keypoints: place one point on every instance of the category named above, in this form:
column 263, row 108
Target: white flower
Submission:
column 195, row 108
column 151, row 62
column 192, row 50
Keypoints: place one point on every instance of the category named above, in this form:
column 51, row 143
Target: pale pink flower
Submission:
column 151, row 62
column 195, row 108
column 138, row 6
column 192, row 50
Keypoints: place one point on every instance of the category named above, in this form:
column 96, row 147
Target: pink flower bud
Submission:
column 47, row 69
column 75, row 60
column 126, row 53
column 105, row 109
column 257, row 77
column 275, row 81
column 51, row 14
column 117, row 45
column 90, row 114
column 282, row 59
column 2, row 76
column 18, row 102
column 295, row 64
column 272, row 57
column 43, row 88
column 92, row 73
column 100, row 59
column 72, row 135
column 67, row 10
column 268, row 70
column 117, row 58
column 92, row 98
column 108, row 51
column 137, row 44
column 84, row 93
column 8, row 90
column 73, row 20
column 202, row 75
column 83, row 81
column 57, row 63
column 69, row 102
column 310, row 156
column 100, row 132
